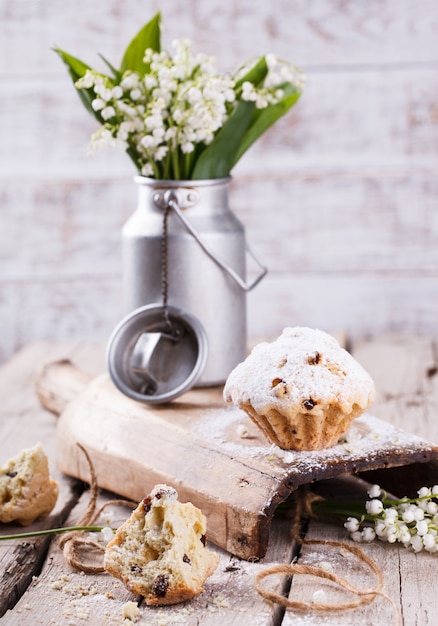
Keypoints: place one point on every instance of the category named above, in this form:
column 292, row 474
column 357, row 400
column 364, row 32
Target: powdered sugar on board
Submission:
column 370, row 442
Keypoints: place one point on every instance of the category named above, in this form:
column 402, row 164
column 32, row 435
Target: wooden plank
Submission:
column 199, row 426
column 352, row 168
column 344, row 217
column 346, row 565
column 231, row 595
column 94, row 308
column 73, row 276
column 58, row 594
column 23, row 423
column 404, row 372
column 364, row 304
column 64, row 595
column 398, row 565
column 314, row 35
column 355, row 132
column 407, row 383
column 78, row 230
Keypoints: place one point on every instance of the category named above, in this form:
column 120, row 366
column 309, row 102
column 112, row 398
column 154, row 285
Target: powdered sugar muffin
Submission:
column 302, row 390
column 159, row 552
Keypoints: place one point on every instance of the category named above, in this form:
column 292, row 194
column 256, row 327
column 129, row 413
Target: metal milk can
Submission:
column 184, row 247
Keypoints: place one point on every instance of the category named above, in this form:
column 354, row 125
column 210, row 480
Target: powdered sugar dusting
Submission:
column 301, row 364
column 369, row 438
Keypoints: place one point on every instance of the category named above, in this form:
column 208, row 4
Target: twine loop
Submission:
column 75, row 545
column 303, row 499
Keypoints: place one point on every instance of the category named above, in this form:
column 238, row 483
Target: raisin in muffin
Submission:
column 159, row 552
column 302, row 390
column 27, row 492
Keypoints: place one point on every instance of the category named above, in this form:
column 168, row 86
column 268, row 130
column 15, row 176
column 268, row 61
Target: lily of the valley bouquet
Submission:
column 176, row 116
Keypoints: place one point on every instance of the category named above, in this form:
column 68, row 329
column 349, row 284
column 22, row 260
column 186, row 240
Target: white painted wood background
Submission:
column 339, row 199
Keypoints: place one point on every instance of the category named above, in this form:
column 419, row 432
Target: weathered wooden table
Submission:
column 38, row 587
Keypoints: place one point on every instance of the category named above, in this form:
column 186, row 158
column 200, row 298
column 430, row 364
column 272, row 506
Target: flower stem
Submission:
column 50, row 531
column 342, row 508
column 188, row 165
column 175, row 163
column 334, row 508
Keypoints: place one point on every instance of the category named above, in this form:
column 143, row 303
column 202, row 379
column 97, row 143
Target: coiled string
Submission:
column 303, row 499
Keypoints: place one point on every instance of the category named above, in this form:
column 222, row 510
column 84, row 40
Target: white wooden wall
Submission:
column 340, row 199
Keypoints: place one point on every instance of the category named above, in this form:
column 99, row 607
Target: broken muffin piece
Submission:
column 160, row 552
column 27, row 492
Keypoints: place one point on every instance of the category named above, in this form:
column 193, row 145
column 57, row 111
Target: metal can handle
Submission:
column 171, row 199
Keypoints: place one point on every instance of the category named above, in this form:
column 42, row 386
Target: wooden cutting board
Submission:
column 210, row 452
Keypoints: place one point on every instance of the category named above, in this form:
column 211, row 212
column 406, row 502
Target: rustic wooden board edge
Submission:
column 232, row 525
column 239, row 509
column 426, row 457
column 242, row 529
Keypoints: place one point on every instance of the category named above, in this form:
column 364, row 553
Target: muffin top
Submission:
column 304, row 370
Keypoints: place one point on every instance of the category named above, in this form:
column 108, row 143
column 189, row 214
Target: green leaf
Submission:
column 77, row 69
column 265, row 118
column 117, row 75
column 149, row 36
column 217, row 159
column 256, row 74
